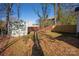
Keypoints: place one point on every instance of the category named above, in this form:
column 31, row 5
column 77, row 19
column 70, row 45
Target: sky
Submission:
column 27, row 11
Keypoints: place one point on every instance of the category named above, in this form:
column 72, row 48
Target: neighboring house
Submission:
column 19, row 28
column 77, row 15
column 33, row 28
column 52, row 19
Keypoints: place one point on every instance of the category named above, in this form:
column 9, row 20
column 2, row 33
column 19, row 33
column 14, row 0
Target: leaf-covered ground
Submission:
column 59, row 45
column 52, row 44
column 21, row 46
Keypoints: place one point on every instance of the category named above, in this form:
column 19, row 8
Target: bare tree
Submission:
column 44, row 11
column 18, row 14
column 59, row 11
column 6, row 10
column 44, row 14
column 8, row 13
column 55, row 11
column 67, row 15
column 18, row 11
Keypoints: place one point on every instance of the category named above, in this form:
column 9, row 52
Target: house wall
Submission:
column 30, row 29
column 18, row 28
column 21, row 30
column 78, row 23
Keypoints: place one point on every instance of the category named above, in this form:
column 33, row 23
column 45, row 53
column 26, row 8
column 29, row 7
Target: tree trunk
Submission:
column 59, row 9
column 55, row 12
column 8, row 11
